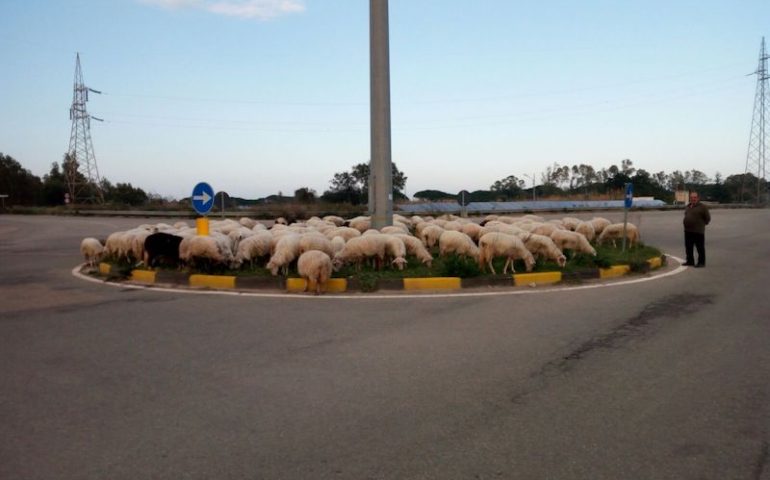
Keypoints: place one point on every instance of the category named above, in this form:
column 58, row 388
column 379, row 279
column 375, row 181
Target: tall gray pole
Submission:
column 380, row 181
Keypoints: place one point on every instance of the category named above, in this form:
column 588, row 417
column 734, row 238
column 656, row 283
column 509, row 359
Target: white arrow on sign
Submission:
column 205, row 197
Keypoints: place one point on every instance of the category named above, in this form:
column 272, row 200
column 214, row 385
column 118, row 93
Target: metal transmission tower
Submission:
column 80, row 170
column 756, row 158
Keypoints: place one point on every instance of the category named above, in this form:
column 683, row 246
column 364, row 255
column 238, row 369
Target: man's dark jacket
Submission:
column 696, row 217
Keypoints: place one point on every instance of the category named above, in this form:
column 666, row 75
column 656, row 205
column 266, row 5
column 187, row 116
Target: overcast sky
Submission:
column 261, row 96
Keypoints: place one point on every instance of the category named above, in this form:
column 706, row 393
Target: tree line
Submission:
column 26, row 189
column 585, row 181
column 352, row 187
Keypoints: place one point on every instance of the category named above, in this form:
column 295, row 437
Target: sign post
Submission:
column 629, row 201
column 463, row 198
column 202, row 201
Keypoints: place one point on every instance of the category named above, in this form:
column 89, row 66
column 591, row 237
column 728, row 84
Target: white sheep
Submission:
column 253, row 247
column 394, row 230
column 359, row 249
column 599, row 223
column 396, row 250
column 345, row 232
column 496, row 244
column 587, row 229
column 430, row 235
column 415, row 247
column 614, row 232
column 247, row 222
column 565, row 239
column 214, row 247
column 543, row 247
column 546, row 229
column 315, row 267
column 473, row 230
column 92, row 250
column 315, row 241
column 457, row 242
column 570, row 223
column 337, row 221
column 338, row 243
column 285, row 251
column 360, row 223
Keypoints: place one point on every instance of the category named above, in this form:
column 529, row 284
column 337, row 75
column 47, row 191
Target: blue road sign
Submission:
column 202, row 198
column 629, row 195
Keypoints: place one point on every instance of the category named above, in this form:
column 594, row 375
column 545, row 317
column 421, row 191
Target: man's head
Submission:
column 693, row 197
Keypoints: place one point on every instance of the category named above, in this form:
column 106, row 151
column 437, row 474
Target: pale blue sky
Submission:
column 261, row 96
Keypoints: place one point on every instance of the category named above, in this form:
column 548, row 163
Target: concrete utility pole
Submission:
column 381, row 173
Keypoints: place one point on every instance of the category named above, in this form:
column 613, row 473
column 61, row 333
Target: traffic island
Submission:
column 365, row 283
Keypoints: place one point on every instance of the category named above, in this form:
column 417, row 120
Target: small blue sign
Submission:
column 629, row 195
column 202, row 198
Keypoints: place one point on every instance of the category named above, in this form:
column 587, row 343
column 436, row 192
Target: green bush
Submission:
column 457, row 266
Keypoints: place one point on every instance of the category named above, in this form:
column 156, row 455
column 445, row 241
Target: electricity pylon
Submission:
column 80, row 170
column 756, row 158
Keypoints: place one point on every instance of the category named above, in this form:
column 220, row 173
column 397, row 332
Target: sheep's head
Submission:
column 561, row 260
column 273, row 267
column 337, row 263
column 399, row 262
column 529, row 262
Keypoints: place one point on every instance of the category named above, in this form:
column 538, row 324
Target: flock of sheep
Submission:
column 320, row 246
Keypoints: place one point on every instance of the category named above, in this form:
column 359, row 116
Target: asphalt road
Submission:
column 667, row 379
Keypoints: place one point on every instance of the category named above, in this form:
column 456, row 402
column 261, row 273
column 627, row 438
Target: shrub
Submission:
column 457, row 266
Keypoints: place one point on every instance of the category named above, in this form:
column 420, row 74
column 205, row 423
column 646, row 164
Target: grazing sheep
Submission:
column 215, row 247
column 394, row 230
column 315, row 267
column 599, row 223
column 360, row 223
column 543, row 247
column 415, row 247
column 545, row 229
column 247, row 222
column 286, row 250
column 473, row 230
column 338, row 243
column 570, row 223
column 180, row 225
column 345, row 232
column 359, row 249
column 337, row 221
column 457, row 242
column 495, row 244
column 315, row 241
column 587, row 229
column 395, row 249
column 564, row 239
column 92, row 250
column 615, row 232
column 253, row 247
column 430, row 235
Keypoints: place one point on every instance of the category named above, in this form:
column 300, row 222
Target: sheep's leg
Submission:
column 491, row 267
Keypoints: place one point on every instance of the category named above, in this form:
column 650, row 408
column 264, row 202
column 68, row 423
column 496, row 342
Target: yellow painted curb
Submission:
column 104, row 268
column 655, row 262
column 334, row 285
column 432, row 283
column 614, row 271
column 540, row 278
column 146, row 276
column 212, row 281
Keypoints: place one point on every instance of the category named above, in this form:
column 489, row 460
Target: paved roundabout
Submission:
column 646, row 379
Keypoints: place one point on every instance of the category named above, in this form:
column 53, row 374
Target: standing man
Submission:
column 696, row 217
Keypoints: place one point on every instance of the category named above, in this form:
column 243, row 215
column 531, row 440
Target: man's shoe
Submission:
column 700, row 265
column 688, row 264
